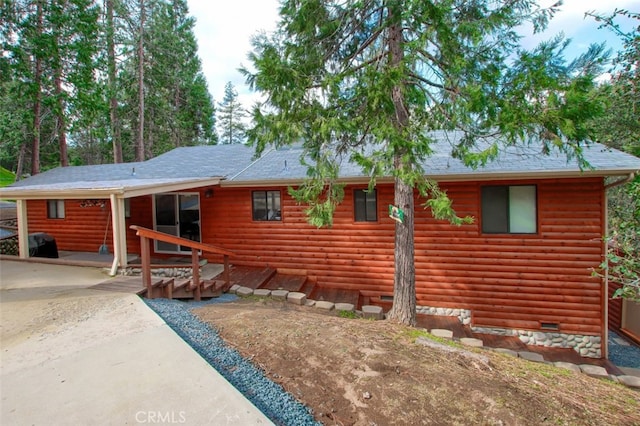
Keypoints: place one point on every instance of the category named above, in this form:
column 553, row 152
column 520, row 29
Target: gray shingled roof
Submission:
column 235, row 164
column 184, row 162
column 512, row 162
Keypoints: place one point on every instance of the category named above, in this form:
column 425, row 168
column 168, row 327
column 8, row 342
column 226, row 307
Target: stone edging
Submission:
column 586, row 346
column 375, row 312
column 368, row 311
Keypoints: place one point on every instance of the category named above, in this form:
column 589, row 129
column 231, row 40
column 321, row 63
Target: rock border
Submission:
column 585, row 346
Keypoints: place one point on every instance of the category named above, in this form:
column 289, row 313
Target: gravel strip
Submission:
column 269, row 397
column 623, row 355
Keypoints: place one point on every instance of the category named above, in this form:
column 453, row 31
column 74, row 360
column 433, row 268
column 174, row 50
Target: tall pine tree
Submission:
column 368, row 80
column 50, row 49
column 619, row 127
column 102, row 86
column 230, row 117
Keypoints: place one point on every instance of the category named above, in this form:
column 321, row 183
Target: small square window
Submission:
column 266, row 205
column 55, row 209
column 365, row 205
column 509, row 209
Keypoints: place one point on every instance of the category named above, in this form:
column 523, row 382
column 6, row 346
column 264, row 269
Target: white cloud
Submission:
column 583, row 30
column 224, row 34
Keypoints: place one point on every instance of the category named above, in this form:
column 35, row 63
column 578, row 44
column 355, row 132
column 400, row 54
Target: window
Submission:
column 55, row 209
column 127, row 208
column 266, row 205
column 509, row 209
column 365, row 205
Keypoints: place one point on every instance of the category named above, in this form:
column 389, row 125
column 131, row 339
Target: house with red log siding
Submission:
column 522, row 268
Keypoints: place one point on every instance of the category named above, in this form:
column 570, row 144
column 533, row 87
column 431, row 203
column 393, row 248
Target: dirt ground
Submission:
column 361, row 372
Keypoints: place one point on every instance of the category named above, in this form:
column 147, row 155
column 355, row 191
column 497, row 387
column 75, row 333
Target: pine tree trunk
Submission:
column 113, row 99
column 56, row 63
column 62, row 131
column 37, row 103
column 404, row 289
column 21, row 155
column 140, row 148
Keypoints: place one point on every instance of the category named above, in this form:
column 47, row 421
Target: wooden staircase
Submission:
column 271, row 279
column 253, row 277
column 193, row 288
column 169, row 288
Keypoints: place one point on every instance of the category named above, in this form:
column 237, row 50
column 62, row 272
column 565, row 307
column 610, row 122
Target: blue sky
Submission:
column 224, row 34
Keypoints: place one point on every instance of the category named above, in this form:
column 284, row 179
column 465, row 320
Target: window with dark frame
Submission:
column 509, row 209
column 266, row 206
column 55, row 209
column 365, row 205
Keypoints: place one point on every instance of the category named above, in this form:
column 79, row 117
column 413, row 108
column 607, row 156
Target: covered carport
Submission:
column 116, row 191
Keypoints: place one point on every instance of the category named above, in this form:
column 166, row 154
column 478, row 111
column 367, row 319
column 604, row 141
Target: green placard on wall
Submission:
column 396, row 213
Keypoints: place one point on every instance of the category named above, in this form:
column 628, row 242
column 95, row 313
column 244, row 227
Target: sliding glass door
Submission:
column 179, row 215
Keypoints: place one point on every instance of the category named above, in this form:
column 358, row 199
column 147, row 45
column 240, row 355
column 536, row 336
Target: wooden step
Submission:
column 307, row 288
column 157, row 289
column 249, row 276
column 335, row 295
column 193, row 286
column 182, row 290
column 285, row 282
column 386, row 305
column 429, row 322
column 168, row 288
column 212, row 288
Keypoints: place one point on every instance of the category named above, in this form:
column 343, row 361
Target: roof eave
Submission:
column 544, row 174
column 124, row 191
column 48, row 194
column 173, row 187
column 455, row 177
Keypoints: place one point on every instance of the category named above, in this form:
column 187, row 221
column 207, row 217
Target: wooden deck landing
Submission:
column 121, row 284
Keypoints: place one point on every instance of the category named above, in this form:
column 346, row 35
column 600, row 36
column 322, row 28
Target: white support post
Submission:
column 23, row 228
column 122, row 234
column 115, row 223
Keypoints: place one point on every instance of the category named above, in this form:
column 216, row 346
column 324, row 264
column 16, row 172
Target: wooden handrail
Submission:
column 167, row 238
column 146, row 235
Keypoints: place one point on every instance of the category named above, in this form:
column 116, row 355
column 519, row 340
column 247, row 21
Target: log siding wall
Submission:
column 83, row 228
column 507, row 281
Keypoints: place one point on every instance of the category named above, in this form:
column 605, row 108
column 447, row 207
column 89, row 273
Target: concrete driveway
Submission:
column 72, row 355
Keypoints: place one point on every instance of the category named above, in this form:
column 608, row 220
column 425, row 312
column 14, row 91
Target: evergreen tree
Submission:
column 50, row 51
column 368, row 80
column 178, row 109
column 619, row 127
column 102, row 86
column 73, row 27
column 112, row 82
column 15, row 114
column 230, row 117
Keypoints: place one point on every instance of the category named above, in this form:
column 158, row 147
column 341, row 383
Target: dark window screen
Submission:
column 495, row 209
